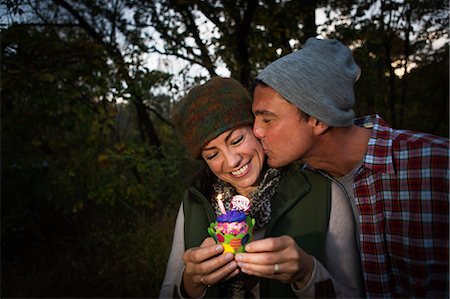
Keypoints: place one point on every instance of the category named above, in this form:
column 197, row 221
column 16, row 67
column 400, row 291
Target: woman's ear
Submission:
column 319, row 127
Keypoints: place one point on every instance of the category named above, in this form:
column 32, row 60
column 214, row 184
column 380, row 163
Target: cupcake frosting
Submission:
column 232, row 216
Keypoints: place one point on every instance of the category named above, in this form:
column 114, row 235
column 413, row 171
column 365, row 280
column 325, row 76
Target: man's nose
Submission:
column 258, row 131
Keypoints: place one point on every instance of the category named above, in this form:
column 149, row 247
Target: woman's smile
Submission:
column 241, row 171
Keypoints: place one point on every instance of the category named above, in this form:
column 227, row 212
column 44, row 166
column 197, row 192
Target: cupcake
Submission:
column 233, row 229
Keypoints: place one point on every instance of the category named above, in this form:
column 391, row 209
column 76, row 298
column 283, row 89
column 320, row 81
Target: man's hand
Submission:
column 277, row 258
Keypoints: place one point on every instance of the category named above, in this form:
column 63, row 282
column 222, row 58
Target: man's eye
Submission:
column 237, row 140
column 266, row 120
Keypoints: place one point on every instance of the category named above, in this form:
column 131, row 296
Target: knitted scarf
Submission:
column 260, row 209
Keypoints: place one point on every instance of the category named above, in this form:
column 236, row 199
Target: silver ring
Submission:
column 201, row 279
column 276, row 269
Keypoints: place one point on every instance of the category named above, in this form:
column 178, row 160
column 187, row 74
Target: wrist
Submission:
column 306, row 275
column 190, row 289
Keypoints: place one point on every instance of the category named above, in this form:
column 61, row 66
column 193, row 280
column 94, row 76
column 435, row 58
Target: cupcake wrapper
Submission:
column 233, row 243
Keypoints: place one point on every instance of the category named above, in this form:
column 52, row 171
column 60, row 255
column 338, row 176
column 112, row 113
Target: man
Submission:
column 397, row 181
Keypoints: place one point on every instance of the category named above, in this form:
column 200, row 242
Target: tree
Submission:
column 393, row 37
column 243, row 35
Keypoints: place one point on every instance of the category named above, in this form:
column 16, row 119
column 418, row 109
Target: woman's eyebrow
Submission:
column 229, row 134
column 226, row 140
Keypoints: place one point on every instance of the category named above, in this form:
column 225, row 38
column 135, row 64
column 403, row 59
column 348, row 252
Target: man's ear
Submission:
column 319, row 127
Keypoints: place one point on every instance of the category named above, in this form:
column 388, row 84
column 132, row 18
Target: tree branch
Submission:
column 190, row 24
column 147, row 129
column 160, row 116
column 43, row 24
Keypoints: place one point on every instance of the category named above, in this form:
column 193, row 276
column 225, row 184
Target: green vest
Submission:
column 300, row 209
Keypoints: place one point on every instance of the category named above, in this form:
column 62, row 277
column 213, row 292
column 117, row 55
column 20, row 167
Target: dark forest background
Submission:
column 91, row 171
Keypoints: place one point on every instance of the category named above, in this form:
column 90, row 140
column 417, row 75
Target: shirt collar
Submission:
column 378, row 156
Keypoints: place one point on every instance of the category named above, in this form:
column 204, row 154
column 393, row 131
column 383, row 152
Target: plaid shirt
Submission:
column 401, row 191
column 402, row 194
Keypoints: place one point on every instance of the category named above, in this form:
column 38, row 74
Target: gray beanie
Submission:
column 318, row 79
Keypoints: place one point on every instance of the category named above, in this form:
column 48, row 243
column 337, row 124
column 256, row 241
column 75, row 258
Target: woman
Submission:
column 304, row 242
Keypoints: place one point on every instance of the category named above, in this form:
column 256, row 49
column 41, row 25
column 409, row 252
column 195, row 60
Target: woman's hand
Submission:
column 277, row 258
column 206, row 265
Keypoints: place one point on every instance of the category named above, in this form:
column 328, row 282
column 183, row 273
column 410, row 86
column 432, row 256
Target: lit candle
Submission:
column 221, row 206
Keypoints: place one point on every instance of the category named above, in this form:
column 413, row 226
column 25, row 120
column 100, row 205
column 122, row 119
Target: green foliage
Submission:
column 80, row 192
column 101, row 251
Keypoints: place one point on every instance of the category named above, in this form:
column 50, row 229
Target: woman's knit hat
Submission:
column 318, row 79
column 209, row 110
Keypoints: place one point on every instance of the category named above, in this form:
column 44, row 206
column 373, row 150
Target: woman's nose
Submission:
column 233, row 159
